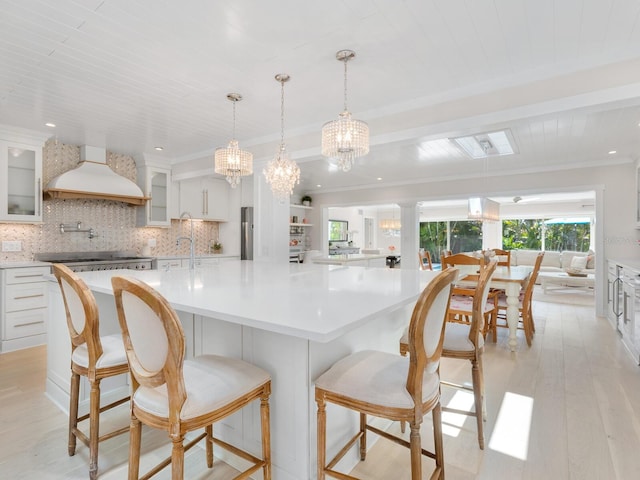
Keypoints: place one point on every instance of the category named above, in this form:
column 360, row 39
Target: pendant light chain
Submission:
column 282, row 112
column 345, row 83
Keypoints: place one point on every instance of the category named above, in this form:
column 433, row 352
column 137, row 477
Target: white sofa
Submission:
column 553, row 261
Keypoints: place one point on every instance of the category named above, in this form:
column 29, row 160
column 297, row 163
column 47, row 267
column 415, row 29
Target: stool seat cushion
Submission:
column 376, row 377
column 456, row 338
column 113, row 353
column 211, row 382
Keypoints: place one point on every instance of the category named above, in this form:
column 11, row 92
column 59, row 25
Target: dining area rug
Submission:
column 568, row 295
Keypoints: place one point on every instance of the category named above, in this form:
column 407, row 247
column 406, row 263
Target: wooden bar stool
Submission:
column 92, row 356
column 177, row 395
column 389, row 386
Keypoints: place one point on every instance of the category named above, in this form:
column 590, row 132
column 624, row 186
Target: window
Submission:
column 338, row 230
column 455, row 235
column 547, row 234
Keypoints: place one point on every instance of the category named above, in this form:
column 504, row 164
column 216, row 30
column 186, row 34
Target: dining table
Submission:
column 507, row 278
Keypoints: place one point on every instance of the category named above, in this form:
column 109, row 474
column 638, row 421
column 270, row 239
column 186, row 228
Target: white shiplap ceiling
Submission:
column 563, row 76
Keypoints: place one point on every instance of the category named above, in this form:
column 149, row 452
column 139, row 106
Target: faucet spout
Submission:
column 192, row 254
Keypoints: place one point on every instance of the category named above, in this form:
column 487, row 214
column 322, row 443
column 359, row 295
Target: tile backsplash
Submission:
column 114, row 222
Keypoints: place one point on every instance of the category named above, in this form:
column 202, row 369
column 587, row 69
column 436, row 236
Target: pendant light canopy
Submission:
column 282, row 173
column 345, row 139
column 231, row 161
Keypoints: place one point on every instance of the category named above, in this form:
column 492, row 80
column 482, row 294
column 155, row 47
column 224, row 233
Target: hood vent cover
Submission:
column 93, row 179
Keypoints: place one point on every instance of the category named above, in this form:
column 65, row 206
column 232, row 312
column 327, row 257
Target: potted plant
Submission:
column 217, row 247
column 306, row 200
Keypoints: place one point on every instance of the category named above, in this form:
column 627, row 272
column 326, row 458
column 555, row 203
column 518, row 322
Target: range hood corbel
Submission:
column 93, row 179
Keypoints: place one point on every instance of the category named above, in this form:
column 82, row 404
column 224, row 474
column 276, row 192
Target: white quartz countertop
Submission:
column 347, row 257
column 315, row 302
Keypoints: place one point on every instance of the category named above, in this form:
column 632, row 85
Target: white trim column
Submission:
column 410, row 239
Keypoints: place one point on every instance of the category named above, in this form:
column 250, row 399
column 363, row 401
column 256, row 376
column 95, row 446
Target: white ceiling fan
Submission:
column 519, row 199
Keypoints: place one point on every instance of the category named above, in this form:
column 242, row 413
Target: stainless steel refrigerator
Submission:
column 246, row 233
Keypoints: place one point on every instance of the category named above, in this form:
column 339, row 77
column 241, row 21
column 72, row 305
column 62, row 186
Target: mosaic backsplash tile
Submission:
column 114, row 222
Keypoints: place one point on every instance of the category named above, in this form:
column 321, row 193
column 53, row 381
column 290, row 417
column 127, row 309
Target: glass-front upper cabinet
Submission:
column 21, row 180
column 155, row 183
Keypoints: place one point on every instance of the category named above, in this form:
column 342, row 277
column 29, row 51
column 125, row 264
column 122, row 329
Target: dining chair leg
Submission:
column 322, row 437
column 416, row 451
column 266, row 436
column 436, row 416
column 475, row 373
column 135, row 433
column 177, row 457
column 363, row 436
column 73, row 412
column 209, row 445
column 94, row 428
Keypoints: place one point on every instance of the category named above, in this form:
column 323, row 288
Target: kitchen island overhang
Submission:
column 294, row 320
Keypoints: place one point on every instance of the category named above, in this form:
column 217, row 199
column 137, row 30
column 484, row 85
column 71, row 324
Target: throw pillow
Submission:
column 578, row 263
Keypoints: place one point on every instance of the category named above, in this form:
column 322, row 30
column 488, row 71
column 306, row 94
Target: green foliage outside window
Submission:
column 465, row 236
column 525, row 234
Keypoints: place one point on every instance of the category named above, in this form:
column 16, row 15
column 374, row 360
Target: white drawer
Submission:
column 25, row 296
column 26, row 275
column 26, row 323
column 169, row 264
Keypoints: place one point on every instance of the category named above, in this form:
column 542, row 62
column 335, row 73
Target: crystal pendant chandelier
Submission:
column 345, row 139
column 282, row 173
column 231, row 161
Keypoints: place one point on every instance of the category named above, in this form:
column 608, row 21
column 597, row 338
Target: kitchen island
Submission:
column 354, row 260
column 294, row 320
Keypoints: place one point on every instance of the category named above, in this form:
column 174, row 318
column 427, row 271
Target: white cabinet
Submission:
column 24, row 307
column 155, row 182
column 183, row 262
column 205, row 198
column 20, row 182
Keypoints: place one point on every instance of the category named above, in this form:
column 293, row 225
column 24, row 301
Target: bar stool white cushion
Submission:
column 375, row 377
column 112, row 353
column 210, row 381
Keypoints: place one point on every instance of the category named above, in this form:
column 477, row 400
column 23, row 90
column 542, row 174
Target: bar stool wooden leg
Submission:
column 209, row 445
column 73, row 412
column 322, row 437
column 94, row 428
column 416, row 451
column 135, row 432
column 177, row 457
column 266, row 435
column 437, row 439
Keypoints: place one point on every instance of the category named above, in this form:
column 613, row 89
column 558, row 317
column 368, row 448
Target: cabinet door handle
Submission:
column 203, row 201
column 28, row 323
column 206, row 203
column 28, row 276
column 29, row 296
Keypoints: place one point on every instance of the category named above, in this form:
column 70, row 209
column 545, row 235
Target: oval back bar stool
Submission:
column 178, row 395
column 92, row 356
column 390, row 386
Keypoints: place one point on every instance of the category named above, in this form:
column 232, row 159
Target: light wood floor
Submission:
column 566, row 408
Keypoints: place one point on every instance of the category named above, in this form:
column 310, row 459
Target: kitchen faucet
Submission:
column 192, row 261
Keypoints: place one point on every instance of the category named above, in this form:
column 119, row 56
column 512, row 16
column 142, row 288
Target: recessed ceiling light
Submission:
column 49, row 124
column 318, row 186
column 611, row 152
column 159, row 148
column 379, row 178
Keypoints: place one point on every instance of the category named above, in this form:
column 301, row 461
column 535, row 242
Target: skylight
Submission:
column 483, row 145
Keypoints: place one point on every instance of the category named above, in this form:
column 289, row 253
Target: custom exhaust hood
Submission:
column 94, row 179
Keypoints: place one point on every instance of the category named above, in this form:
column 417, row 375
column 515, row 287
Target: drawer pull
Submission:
column 29, row 296
column 28, row 324
column 28, row 276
